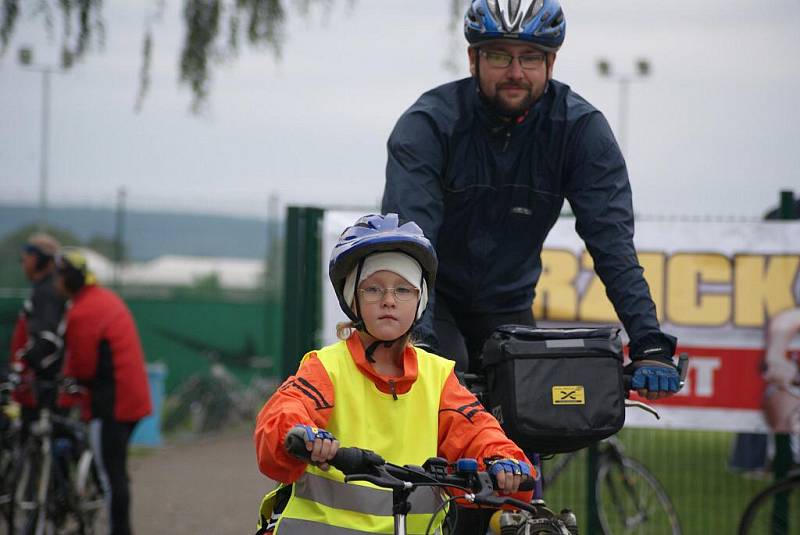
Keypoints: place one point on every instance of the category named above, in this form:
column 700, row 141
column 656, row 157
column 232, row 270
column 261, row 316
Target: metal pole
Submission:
column 119, row 239
column 783, row 448
column 592, row 462
column 786, row 207
column 45, row 133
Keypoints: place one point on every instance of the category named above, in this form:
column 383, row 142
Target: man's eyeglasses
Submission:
column 374, row 294
column 501, row 60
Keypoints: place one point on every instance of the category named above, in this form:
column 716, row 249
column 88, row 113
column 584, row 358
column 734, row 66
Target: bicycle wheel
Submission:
column 758, row 518
column 91, row 500
column 7, row 477
column 631, row 500
column 33, row 482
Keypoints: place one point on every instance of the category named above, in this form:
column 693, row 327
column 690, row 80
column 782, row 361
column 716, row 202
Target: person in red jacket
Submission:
column 104, row 353
column 374, row 390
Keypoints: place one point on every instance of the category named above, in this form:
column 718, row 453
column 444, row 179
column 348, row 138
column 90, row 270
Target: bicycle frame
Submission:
column 53, row 489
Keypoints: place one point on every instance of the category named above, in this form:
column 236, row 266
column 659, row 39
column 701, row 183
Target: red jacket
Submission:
column 19, row 340
column 103, row 351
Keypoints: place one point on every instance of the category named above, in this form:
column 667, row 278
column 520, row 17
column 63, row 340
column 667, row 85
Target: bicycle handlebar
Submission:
column 348, row 460
column 365, row 465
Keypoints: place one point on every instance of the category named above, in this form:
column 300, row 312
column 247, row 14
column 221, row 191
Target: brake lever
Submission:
column 644, row 406
column 492, row 500
column 380, row 479
column 683, row 368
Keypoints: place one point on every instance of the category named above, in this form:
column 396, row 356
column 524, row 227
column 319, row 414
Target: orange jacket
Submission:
column 465, row 428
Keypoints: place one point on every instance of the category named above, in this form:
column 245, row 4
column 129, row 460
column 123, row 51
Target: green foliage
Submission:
column 11, row 245
column 213, row 32
column 207, row 285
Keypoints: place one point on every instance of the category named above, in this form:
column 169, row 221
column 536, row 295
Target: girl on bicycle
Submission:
column 374, row 389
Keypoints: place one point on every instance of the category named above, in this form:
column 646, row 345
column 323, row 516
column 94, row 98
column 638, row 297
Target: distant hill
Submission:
column 148, row 235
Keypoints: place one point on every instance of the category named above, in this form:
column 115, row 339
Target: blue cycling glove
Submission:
column 655, row 376
column 313, row 433
column 512, row 466
column 652, row 364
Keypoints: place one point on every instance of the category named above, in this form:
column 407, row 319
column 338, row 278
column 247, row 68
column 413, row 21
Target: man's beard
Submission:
column 505, row 108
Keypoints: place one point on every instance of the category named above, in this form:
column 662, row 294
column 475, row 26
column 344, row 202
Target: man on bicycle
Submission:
column 483, row 166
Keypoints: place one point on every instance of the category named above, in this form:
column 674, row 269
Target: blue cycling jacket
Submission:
column 486, row 192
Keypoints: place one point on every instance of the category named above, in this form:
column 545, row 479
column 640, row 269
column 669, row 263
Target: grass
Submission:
column 693, row 468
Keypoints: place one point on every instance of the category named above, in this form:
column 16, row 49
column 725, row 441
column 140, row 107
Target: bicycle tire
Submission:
column 91, row 499
column 7, row 478
column 757, row 517
column 28, row 511
column 630, row 500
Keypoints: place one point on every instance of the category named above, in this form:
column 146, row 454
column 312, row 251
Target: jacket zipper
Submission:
column 394, row 392
column 508, row 140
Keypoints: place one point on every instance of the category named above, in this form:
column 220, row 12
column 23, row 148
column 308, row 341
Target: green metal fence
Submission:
column 302, row 292
column 191, row 334
column 693, row 466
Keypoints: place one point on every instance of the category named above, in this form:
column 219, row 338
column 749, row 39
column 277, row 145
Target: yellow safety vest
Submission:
column 403, row 431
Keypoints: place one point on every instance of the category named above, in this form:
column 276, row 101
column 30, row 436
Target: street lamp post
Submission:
column 642, row 70
column 26, row 59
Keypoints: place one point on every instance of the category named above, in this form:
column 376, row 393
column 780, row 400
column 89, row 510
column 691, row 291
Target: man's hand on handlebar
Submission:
column 655, row 378
column 321, row 445
column 653, row 372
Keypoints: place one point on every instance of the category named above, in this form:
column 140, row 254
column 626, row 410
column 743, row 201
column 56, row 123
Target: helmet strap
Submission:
column 371, row 349
column 360, row 325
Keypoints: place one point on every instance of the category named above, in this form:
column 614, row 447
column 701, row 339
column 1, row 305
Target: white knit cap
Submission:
column 396, row 262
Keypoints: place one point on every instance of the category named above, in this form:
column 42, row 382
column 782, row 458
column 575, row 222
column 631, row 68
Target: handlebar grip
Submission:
column 348, row 460
column 528, row 484
column 682, row 367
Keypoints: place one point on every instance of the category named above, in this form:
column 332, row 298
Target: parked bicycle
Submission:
column 759, row 516
column 629, row 498
column 364, row 465
column 56, row 482
column 9, row 440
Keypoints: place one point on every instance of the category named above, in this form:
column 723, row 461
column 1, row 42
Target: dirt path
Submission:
column 209, row 485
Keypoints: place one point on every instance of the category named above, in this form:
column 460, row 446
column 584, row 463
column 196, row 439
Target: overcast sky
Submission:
column 713, row 131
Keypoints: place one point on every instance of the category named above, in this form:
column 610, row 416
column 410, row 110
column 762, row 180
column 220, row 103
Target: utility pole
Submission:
column 25, row 58
column 641, row 71
column 45, row 148
column 119, row 239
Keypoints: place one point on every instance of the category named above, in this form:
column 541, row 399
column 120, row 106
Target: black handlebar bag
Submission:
column 555, row 390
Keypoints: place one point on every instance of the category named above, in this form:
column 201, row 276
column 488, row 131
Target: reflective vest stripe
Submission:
column 360, row 498
column 296, row 525
column 306, row 527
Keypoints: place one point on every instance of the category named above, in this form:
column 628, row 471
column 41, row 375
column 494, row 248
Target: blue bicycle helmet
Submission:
column 539, row 22
column 375, row 233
